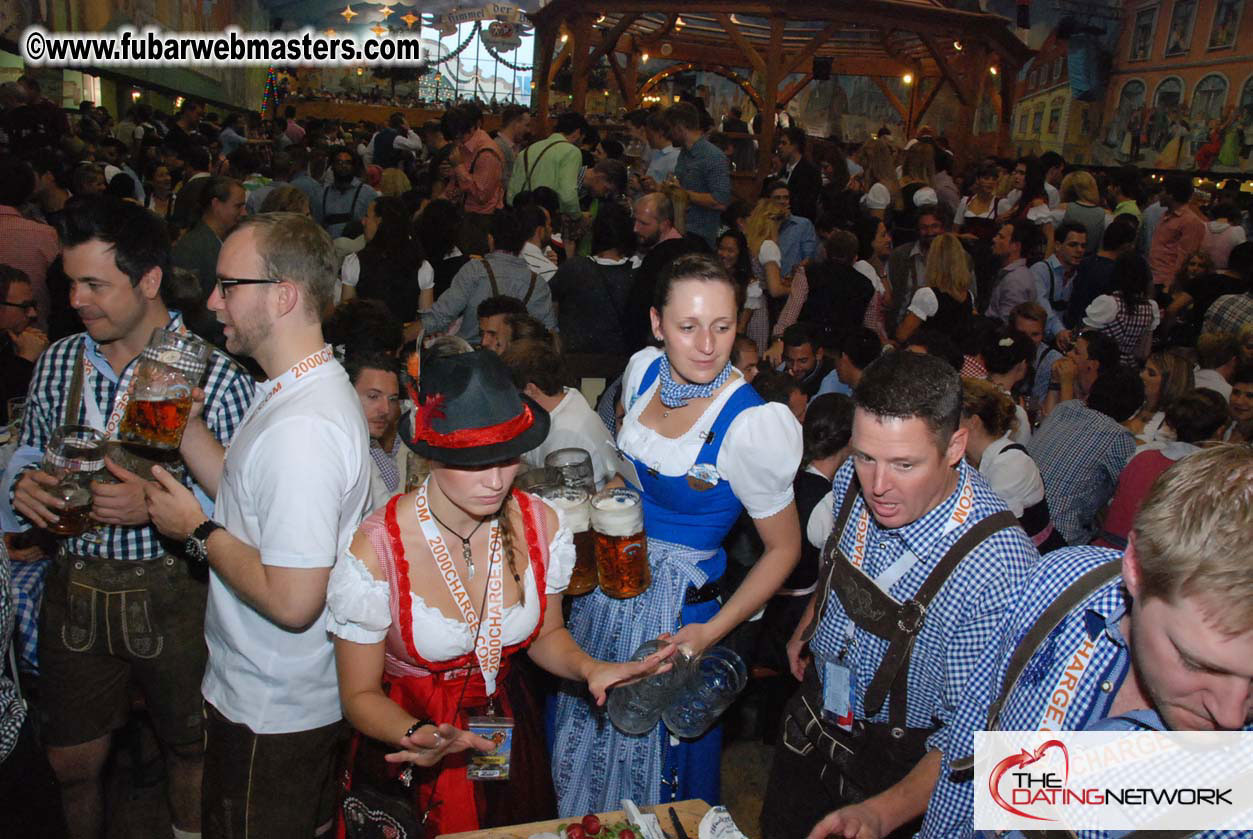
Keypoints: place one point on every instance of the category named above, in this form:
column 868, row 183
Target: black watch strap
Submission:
column 206, row 527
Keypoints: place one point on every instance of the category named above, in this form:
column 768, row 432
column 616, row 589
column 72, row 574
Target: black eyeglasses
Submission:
column 27, row 304
column 225, row 284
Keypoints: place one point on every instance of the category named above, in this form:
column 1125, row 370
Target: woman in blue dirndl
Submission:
column 699, row 445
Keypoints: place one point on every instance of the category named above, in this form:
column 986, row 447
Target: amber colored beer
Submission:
column 576, row 513
column 73, row 521
column 620, row 544
column 156, row 423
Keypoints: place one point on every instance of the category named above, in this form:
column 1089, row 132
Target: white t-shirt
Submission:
column 1213, row 380
column 538, row 261
column 867, row 270
column 575, row 425
column 359, row 610
column 295, row 485
column 760, row 454
column 878, row 197
column 1012, row 475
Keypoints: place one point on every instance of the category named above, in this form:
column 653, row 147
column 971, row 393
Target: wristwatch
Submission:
column 197, row 545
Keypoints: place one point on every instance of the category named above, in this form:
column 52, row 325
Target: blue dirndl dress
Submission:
column 595, row 765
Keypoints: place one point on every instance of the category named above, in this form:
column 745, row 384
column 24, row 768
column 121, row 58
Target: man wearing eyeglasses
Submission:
column 20, row 342
column 118, row 607
column 290, row 492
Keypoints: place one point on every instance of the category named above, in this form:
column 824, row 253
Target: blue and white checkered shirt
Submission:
column 1089, row 633
column 1080, row 453
column 960, row 621
column 228, row 392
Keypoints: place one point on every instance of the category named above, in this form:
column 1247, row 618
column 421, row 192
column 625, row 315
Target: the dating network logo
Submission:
column 1027, row 788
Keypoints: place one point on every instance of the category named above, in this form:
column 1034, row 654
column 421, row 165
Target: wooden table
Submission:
column 690, row 813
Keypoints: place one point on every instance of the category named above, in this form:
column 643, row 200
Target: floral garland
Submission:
column 516, row 67
column 460, row 49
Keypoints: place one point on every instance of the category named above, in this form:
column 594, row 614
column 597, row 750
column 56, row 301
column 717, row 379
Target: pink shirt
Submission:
column 1177, row 236
column 484, row 188
column 31, row 247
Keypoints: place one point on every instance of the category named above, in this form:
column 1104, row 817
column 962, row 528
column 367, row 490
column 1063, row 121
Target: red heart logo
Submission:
column 1025, row 758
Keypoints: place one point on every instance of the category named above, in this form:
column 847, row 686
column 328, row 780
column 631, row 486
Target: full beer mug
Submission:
column 576, row 508
column 160, row 399
column 621, row 546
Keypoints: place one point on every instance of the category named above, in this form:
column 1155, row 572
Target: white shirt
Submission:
column 821, row 518
column 1104, row 309
column 575, row 425
column 359, row 607
column 760, row 454
column 295, row 485
column 963, row 212
column 662, row 164
column 769, row 252
column 868, row 271
column 1213, row 380
column 1012, row 475
column 537, row 261
column 350, row 273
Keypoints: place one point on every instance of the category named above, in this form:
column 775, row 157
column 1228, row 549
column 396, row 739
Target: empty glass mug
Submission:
column 636, row 707
column 575, row 466
column 715, row 679
column 170, row 366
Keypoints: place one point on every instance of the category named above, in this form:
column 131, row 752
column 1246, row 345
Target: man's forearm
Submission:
column 204, row 456
column 240, row 567
column 705, row 199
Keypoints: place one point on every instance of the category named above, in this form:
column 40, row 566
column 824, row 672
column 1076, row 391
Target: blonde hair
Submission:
column 1176, row 375
column 394, row 182
column 876, row 158
column 919, row 164
column 1080, row 186
column 1191, row 535
column 993, row 407
column 947, row 269
column 763, row 224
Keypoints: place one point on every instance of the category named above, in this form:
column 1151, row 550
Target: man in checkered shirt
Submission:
column 1164, row 641
column 117, row 605
column 925, row 542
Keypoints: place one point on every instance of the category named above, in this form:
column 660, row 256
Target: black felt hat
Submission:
column 468, row 412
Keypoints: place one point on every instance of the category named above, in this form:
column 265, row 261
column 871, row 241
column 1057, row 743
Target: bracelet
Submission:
column 413, row 728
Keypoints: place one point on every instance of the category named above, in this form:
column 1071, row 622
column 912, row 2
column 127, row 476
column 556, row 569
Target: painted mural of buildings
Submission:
column 1047, row 116
column 1181, row 87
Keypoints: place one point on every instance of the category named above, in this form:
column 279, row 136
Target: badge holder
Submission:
column 493, row 765
column 837, row 695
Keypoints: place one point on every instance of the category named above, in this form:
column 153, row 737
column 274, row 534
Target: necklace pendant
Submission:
column 469, row 558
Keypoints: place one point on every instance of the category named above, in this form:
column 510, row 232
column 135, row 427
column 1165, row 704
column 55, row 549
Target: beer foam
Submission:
column 574, row 508
column 617, row 513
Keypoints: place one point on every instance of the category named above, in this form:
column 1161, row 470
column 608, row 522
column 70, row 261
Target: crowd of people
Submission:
column 957, row 391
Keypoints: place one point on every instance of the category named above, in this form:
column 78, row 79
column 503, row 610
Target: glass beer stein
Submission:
column 160, row 399
column 636, row 707
column 74, row 456
column 574, row 467
column 716, row 678
column 576, row 506
column 621, row 546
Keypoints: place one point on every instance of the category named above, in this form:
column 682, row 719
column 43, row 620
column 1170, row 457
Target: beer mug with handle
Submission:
column 160, row 399
column 636, row 707
column 575, row 467
column 576, row 507
column 74, row 456
column 621, row 546
column 717, row 677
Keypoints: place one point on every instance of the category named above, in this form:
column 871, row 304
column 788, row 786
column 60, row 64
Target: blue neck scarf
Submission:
column 675, row 395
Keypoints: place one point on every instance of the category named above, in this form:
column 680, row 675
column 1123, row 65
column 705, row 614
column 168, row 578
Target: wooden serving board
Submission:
column 690, row 813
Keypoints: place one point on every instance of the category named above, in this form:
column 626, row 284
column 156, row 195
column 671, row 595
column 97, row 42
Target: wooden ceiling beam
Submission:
column 610, row 38
column 811, row 48
column 737, row 37
column 795, row 88
column 948, row 71
column 891, row 97
column 567, row 49
column 928, row 99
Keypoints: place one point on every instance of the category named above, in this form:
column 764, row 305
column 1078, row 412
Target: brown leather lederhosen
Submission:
column 876, row 755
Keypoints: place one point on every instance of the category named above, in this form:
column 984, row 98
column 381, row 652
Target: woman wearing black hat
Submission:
column 440, row 588
column 701, row 447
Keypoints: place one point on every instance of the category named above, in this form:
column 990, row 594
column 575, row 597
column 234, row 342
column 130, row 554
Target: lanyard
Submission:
column 95, row 416
column 272, row 388
column 901, row 566
column 487, row 645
